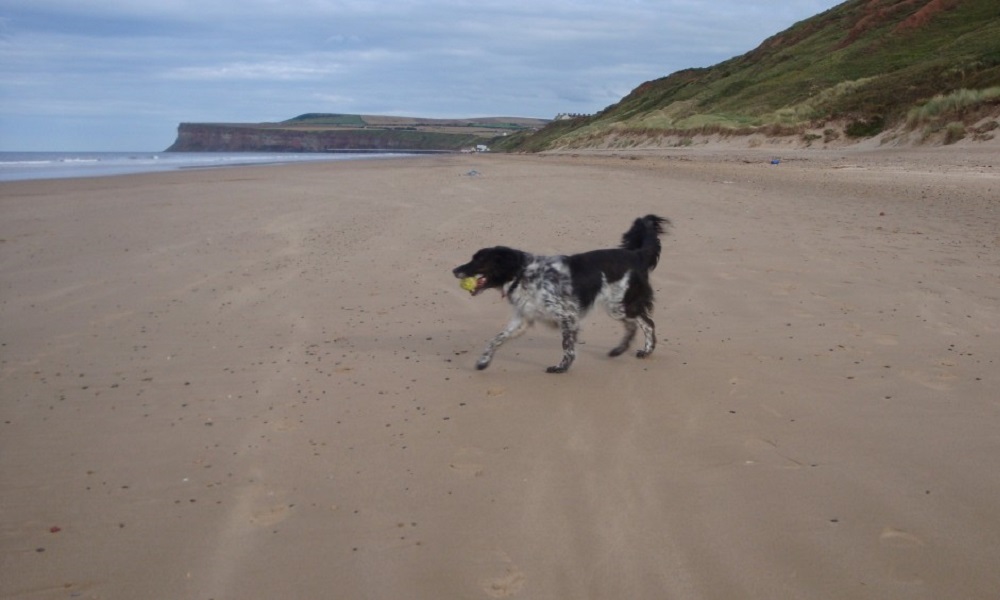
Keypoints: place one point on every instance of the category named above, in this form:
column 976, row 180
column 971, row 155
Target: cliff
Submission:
column 205, row 137
column 324, row 132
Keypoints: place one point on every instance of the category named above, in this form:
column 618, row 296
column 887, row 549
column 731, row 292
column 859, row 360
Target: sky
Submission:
column 120, row 75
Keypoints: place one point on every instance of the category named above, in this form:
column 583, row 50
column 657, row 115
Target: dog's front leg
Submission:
column 569, row 329
column 648, row 330
column 514, row 328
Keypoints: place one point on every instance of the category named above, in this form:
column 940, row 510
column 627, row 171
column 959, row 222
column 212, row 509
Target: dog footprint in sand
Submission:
column 508, row 584
column 466, row 462
column 285, row 425
column 766, row 452
column 885, row 339
column 937, row 378
column 261, row 507
column 897, row 538
column 271, row 515
column 903, row 554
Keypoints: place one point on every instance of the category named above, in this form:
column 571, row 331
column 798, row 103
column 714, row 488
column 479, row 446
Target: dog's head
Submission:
column 492, row 267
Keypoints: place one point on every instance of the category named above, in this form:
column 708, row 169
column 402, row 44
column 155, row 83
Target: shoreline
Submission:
column 260, row 382
column 42, row 166
column 981, row 156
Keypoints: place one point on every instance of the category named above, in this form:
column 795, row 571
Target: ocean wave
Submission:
column 57, row 165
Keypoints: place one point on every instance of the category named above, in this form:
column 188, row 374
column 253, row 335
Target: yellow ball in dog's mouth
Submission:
column 470, row 284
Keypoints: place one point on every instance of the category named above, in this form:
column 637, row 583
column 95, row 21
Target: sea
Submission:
column 15, row 166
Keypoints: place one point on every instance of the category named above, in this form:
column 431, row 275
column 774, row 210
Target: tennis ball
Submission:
column 469, row 284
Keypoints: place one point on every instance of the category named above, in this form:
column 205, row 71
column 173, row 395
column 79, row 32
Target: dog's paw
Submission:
column 483, row 362
column 556, row 369
column 617, row 351
column 643, row 353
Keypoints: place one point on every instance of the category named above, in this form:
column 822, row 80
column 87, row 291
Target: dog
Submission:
column 560, row 290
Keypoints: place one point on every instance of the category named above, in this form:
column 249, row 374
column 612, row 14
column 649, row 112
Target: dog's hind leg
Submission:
column 514, row 328
column 569, row 328
column 630, row 329
column 636, row 306
column 648, row 330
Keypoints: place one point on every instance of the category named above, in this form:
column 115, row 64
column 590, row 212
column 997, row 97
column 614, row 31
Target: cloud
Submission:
column 261, row 71
column 149, row 65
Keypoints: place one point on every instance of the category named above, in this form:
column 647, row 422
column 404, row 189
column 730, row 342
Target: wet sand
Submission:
column 259, row 382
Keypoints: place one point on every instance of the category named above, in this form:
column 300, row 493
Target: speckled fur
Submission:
column 560, row 290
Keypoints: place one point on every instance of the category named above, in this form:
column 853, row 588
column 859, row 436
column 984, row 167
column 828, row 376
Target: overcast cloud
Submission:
column 121, row 74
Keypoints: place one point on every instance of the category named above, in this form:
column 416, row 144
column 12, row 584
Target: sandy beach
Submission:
column 259, row 382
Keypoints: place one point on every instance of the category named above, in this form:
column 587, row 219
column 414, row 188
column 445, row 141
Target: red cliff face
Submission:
column 209, row 137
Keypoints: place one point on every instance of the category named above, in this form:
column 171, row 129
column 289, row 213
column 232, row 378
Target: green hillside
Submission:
column 865, row 65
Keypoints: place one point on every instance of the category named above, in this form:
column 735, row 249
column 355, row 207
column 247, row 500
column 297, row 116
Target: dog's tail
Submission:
column 644, row 237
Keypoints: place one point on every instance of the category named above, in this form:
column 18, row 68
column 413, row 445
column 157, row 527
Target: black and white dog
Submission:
column 561, row 289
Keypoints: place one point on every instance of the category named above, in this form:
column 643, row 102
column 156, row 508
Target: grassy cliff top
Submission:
column 867, row 64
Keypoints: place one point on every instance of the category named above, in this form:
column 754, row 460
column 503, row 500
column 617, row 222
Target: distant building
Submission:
column 482, row 148
column 567, row 116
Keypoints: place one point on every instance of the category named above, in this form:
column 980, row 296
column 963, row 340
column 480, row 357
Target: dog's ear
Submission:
column 505, row 263
column 508, row 257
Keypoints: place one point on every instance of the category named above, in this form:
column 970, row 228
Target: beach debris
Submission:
column 472, row 173
column 775, row 161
